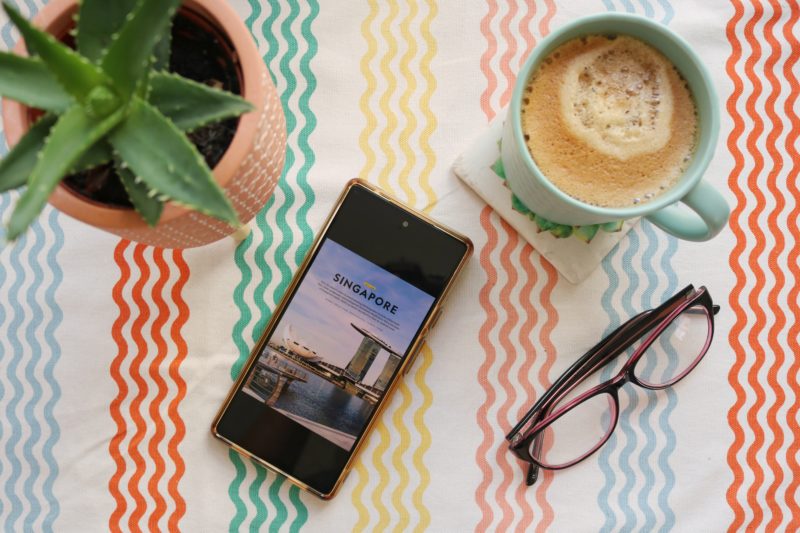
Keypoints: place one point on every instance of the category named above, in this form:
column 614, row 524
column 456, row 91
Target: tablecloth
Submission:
column 114, row 357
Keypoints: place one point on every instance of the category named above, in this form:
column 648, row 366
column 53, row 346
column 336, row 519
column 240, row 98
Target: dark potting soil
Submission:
column 197, row 54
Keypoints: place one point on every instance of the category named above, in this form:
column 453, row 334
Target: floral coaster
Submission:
column 575, row 251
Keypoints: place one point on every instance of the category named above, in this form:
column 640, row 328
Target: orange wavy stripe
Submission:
column 511, row 50
column 486, row 58
column 510, row 354
column 545, row 339
column 550, row 12
column 734, row 261
column 122, row 387
column 135, row 371
column 791, row 143
column 758, row 353
column 156, row 419
column 529, row 355
column 777, row 440
column 481, row 456
column 525, row 31
column 174, row 373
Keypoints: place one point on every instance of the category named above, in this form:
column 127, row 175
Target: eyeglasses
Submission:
column 565, row 426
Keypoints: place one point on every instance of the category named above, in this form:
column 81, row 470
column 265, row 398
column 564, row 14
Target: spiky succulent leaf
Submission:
column 543, row 224
column 98, row 21
column 612, row 227
column 99, row 154
column 159, row 153
column 27, row 80
column 127, row 59
column 499, row 168
column 190, row 104
column 70, row 137
column 20, row 161
column 518, row 206
column 163, row 51
column 147, row 205
column 561, row 231
column 586, row 233
column 75, row 74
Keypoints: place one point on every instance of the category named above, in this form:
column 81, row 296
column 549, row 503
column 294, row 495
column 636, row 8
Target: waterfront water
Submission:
column 324, row 403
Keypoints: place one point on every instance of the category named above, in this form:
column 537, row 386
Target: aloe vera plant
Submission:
column 111, row 100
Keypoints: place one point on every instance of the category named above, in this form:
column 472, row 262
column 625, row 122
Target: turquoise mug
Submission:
column 705, row 212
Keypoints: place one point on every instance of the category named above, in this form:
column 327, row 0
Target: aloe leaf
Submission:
column 543, row 223
column 99, row 154
column 20, row 161
column 147, row 205
column 160, row 154
column 587, row 233
column 98, row 21
column 190, row 104
column 27, row 80
column 75, row 74
column 73, row 134
column 127, row 59
column 498, row 168
column 163, row 51
column 612, row 227
column 518, row 206
column 561, row 231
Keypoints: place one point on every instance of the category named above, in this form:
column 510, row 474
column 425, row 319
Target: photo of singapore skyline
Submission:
column 340, row 340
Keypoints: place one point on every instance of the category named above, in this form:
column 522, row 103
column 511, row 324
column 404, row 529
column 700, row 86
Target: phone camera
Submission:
column 405, row 223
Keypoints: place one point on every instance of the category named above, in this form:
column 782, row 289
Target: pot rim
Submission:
column 16, row 120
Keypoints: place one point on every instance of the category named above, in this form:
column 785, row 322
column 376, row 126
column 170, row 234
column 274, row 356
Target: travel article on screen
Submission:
column 336, row 348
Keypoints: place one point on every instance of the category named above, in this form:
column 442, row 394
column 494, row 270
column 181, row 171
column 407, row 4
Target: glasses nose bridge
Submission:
column 621, row 379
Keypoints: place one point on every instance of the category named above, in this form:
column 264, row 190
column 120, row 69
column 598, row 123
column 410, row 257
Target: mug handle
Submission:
column 710, row 214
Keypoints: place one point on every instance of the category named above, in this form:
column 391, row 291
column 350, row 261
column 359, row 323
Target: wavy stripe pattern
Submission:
column 637, row 477
column 764, row 376
column 30, row 274
column 281, row 236
column 409, row 123
column 146, row 369
column 507, row 375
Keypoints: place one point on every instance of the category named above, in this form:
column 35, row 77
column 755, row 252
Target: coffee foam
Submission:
column 594, row 151
column 617, row 99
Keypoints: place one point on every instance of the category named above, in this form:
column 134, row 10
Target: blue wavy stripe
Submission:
column 665, row 436
column 34, row 355
column 14, row 397
column 652, row 399
column 670, row 441
column 5, row 201
column 27, row 468
column 669, row 12
column 609, row 475
column 54, row 353
column 630, row 397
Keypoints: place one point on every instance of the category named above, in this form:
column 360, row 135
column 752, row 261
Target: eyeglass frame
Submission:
column 650, row 324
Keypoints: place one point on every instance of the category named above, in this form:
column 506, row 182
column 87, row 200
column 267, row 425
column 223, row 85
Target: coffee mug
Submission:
column 705, row 212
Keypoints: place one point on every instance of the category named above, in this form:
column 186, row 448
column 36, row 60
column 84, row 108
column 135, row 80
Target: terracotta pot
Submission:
column 248, row 171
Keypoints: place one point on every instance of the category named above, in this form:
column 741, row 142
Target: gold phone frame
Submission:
column 413, row 350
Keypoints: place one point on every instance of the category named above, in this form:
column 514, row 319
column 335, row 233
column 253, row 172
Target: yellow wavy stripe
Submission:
column 404, row 174
column 369, row 164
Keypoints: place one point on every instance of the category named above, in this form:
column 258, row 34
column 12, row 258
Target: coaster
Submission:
column 564, row 247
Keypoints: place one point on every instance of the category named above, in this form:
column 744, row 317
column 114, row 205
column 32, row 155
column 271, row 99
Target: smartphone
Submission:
column 348, row 328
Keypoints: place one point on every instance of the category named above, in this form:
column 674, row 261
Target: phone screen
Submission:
column 329, row 358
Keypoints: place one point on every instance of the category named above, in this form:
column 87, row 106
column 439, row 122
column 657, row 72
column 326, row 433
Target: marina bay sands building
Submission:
column 365, row 355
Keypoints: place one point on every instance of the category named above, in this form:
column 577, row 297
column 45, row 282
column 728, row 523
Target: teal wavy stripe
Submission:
column 303, row 157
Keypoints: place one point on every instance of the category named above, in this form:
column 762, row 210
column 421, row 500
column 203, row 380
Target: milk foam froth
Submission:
column 617, row 99
column 609, row 120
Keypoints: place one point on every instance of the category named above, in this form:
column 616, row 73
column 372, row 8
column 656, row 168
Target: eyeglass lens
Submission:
column 586, row 426
column 677, row 350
